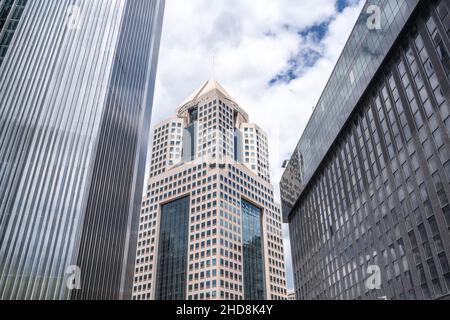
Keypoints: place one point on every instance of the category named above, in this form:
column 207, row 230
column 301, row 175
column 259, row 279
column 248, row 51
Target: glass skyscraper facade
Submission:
column 252, row 252
column 10, row 14
column 76, row 91
column 367, row 190
column 173, row 247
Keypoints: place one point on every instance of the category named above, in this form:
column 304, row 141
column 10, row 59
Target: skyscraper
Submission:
column 367, row 190
column 209, row 227
column 76, row 91
column 10, row 14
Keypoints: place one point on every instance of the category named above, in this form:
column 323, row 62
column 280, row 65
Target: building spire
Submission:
column 212, row 66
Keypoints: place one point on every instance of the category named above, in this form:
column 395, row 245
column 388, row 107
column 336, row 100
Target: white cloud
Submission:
column 252, row 42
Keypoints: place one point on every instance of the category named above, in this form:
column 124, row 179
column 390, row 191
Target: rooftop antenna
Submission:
column 212, row 66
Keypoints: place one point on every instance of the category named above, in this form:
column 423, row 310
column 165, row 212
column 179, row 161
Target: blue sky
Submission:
column 273, row 56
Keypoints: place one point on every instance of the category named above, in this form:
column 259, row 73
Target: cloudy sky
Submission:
column 273, row 56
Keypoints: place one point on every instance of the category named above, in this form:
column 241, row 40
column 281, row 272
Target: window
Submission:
column 252, row 252
column 173, row 245
column 444, row 263
column 446, row 211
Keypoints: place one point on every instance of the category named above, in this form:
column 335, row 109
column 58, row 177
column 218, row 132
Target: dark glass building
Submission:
column 367, row 190
column 76, row 91
column 173, row 248
column 252, row 251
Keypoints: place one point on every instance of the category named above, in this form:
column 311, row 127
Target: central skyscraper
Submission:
column 209, row 227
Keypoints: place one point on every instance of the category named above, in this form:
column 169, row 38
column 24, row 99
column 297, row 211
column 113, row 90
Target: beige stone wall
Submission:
column 215, row 184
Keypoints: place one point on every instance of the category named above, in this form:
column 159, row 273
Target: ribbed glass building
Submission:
column 76, row 91
column 367, row 190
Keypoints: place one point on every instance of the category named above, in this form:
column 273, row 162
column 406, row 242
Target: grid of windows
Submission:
column 363, row 54
column 216, row 130
column 216, row 181
column 215, row 269
column 256, row 150
column 167, row 146
column 381, row 196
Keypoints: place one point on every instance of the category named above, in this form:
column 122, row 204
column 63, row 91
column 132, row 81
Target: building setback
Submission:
column 210, row 228
column 367, row 190
column 76, row 91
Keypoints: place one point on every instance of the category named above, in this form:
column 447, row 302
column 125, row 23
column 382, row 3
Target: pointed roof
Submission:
column 209, row 86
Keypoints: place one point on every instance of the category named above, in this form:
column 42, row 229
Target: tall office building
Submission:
column 76, row 90
column 10, row 14
column 209, row 228
column 367, row 190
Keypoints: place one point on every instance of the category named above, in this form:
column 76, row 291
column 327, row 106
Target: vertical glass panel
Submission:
column 252, row 252
column 173, row 251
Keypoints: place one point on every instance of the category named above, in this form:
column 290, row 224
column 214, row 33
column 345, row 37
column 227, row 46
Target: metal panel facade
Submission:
column 76, row 92
column 10, row 14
